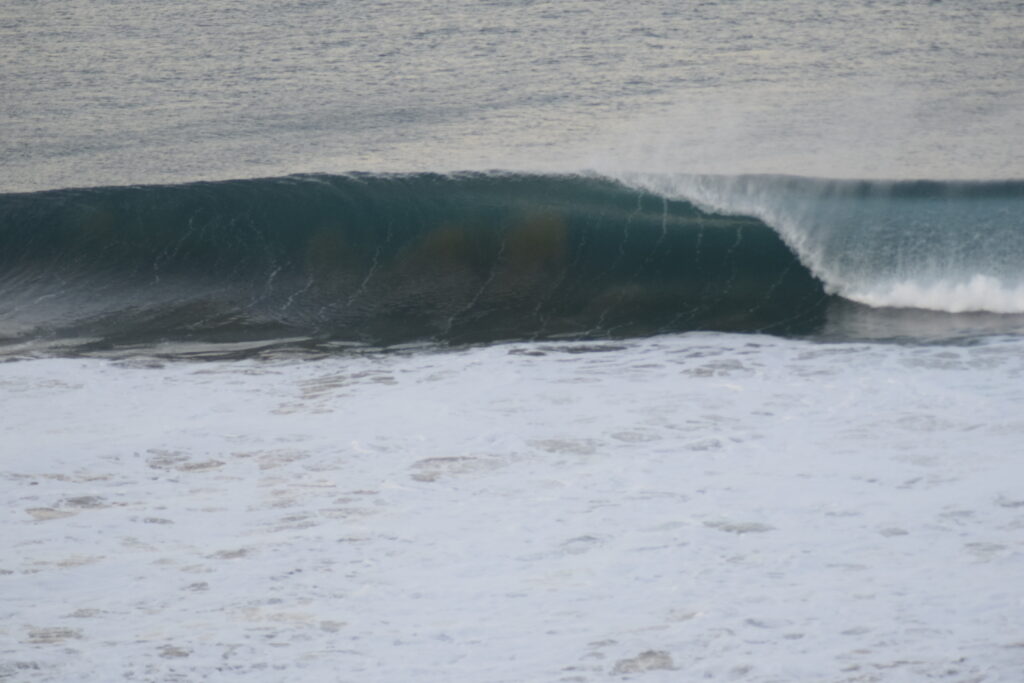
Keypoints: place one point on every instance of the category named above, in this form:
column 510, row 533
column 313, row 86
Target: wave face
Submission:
column 952, row 247
column 385, row 259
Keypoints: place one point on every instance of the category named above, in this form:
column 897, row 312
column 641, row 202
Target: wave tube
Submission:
column 386, row 259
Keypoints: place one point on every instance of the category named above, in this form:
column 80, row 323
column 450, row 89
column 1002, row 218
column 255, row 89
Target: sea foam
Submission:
column 981, row 293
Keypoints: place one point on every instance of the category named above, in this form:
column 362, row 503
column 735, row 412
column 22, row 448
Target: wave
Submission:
column 384, row 259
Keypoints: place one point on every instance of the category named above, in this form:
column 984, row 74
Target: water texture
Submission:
column 511, row 340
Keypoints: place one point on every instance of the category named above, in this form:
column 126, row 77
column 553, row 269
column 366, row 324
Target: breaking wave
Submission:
column 386, row 259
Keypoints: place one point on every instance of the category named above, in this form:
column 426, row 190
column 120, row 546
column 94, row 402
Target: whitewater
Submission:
column 512, row 341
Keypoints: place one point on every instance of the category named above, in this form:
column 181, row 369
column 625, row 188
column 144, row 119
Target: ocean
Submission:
column 512, row 340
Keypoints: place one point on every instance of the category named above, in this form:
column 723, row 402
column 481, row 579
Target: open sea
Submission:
column 512, row 340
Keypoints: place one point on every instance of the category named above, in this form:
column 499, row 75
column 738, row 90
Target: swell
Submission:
column 384, row 259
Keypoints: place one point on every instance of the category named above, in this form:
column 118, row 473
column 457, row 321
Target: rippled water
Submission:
column 100, row 93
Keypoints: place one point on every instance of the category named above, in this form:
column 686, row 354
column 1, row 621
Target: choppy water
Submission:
column 511, row 340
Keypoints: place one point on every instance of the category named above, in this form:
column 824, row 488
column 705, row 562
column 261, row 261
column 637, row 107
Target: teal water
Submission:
column 381, row 260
